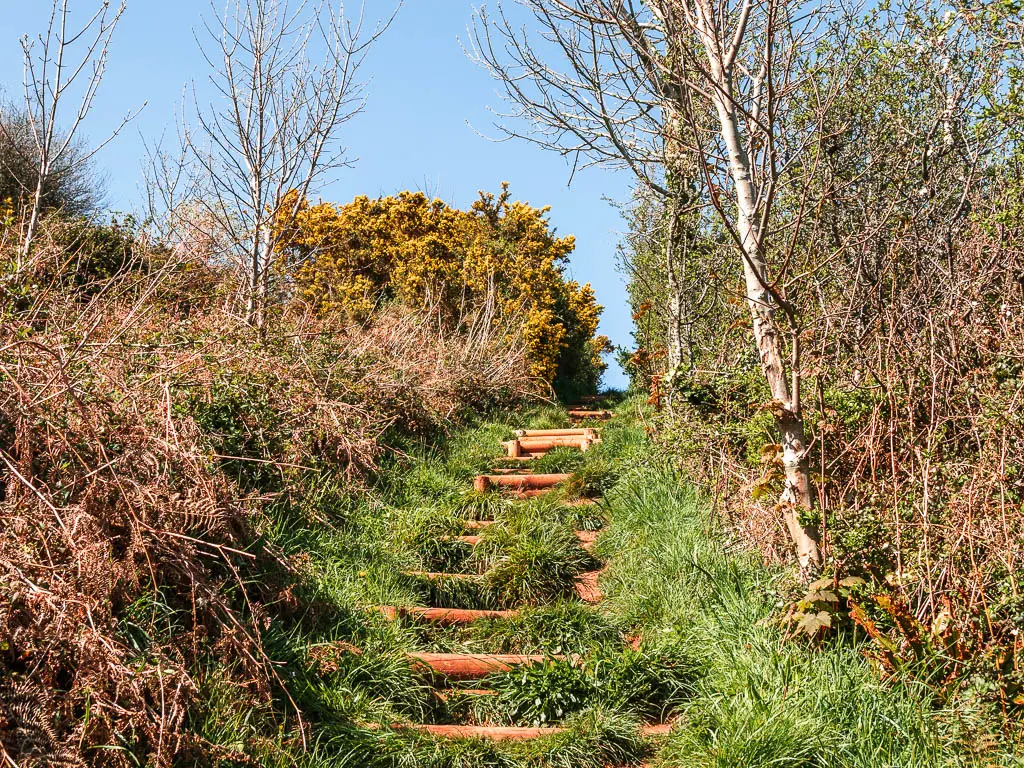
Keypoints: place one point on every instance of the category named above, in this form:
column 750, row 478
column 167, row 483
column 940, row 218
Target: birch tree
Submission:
column 690, row 95
column 286, row 77
column 66, row 63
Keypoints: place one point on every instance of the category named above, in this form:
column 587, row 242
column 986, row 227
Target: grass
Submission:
column 686, row 632
column 764, row 701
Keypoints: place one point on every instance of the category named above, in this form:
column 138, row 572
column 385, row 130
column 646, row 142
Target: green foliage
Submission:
column 72, row 186
column 765, row 701
column 239, row 417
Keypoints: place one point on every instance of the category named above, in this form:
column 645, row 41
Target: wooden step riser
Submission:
column 596, row 415
column 512, row 733
column 578, row 432
column 465, row 666
column 442, row 616
column 515, row 449
column 484, row 483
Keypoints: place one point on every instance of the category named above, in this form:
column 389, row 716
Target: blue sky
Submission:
column 427, row 106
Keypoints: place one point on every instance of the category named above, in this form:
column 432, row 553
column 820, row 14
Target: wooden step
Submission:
column 587, row 588
column 598, row 415
column 512, row 733
column 533, row 446
column 474, row 666
column 518, row 482
column 554, row 441
column 470, row 540
column 573, row 432
column 444, row 616
column 436, row 576
column 476, row 525
column 489, row 732
column 446, row 694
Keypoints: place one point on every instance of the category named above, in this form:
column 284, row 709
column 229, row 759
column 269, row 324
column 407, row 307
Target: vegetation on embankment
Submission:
column 273, row 653
column 688, row 633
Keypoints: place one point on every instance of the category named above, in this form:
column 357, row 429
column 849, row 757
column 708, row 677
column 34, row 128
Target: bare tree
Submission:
column 65, row 62
column 689, row 95
column 286, row 77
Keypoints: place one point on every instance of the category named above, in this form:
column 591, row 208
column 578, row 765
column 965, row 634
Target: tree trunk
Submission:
column 33, row 219
column 796, row 495
column 675, row 299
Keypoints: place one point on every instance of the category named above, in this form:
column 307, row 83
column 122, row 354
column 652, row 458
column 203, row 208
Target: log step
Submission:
column 470, row 666
column 581, row 414
column 476, row 525
column 533, row 446
column 574, row 432
column 436, row 576
column 446, row 694
column 512, row 733
column 470, row 540
column 551, row 442
column 518, row 482
column 587, row 588
column 444, row 616
column 489, row 732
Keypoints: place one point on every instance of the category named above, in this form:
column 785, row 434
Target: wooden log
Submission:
column 587, row 588
column 489, row 732
column 473, row 666
column 552, row 441
column 581, row 414
column 520, row 482
column 513, row 733
column 574, row 432
column 470, row 540
column 534, row 445
column 444, row 616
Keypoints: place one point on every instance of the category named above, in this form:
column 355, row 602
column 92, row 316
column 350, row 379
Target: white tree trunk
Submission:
column 674, row 341
column 797, row 493
column 33, row 218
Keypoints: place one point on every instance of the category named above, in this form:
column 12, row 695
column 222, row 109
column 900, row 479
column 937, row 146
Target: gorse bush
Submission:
column 499, row 255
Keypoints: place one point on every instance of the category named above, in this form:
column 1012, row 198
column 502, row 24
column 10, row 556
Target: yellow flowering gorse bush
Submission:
column 425, row 254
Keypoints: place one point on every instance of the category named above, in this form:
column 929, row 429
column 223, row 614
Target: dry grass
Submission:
column 127, row 527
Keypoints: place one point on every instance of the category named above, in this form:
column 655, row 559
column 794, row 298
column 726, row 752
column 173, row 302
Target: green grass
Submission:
column 708, row 653
column 764, row 701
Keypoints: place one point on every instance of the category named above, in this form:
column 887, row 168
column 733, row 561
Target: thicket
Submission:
column 150, row 439
column 902, row 258
column 500, row 257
